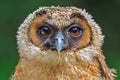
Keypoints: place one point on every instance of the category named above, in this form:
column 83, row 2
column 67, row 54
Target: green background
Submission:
column 12, row 13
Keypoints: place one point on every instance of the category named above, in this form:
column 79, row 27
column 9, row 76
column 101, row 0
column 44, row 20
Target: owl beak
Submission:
column 59, row 41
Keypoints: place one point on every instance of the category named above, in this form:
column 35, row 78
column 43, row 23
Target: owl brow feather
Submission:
column 76, row 15
column 41, row 12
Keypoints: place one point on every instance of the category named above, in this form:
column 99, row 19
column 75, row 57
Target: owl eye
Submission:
column 44, row 30
column 75, row 31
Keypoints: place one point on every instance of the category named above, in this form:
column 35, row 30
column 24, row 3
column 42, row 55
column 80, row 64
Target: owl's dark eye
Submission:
column 44, row 30
column 75, row 31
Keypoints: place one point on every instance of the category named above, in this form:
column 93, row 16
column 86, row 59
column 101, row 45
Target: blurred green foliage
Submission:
column 12, row 14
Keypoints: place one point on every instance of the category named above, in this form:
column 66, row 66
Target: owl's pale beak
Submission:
column 59, row 41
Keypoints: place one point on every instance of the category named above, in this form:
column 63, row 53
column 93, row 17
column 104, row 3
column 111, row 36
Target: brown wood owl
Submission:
column 60, row 43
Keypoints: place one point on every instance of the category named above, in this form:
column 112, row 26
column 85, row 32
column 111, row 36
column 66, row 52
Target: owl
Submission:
column 60, row 43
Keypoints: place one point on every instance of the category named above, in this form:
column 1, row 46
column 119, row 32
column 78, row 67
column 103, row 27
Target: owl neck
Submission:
column 40, row 69
column 58, row 68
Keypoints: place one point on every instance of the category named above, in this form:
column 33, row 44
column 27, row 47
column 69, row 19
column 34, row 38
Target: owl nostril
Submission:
column 62, row 39
column 56, row 39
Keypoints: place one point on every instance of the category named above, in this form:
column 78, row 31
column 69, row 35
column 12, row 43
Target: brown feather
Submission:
column 106, row 73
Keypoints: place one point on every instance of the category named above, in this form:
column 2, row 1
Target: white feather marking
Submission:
column 88, row 53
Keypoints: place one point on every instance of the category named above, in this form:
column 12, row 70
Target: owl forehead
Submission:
column 59, row 20
column 59, row 17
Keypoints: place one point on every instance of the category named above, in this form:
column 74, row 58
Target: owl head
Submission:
column 57, row 31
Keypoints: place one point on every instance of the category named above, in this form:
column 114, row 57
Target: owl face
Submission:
column 66, row 32
column 57, row 29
